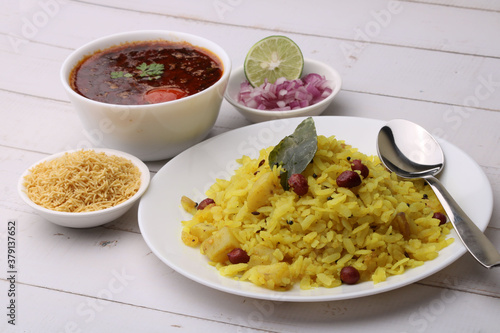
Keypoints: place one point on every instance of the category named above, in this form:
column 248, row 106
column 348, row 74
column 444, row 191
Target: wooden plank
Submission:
column 417, row 310
column 477, row 4
column 29, row 125
column 419, row 74
column 49, row 310
column 431, row 61
column 30, row 122
column 440, row 27
column 466, row 274
column 121, row 269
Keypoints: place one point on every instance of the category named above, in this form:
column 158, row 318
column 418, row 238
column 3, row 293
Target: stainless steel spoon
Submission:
column 411, row 152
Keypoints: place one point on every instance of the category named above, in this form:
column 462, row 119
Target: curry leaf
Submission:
column 295, row 151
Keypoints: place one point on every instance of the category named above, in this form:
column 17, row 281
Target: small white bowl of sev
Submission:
column 84, row 188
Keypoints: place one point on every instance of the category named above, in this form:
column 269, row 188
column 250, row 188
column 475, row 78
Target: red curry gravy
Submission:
column 145, row 73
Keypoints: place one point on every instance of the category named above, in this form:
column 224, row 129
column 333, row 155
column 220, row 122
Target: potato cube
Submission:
column 217, row 246
column 202, row 231
column 263, row 188
column 275, row 276
column 261, row 255
column 188, row 205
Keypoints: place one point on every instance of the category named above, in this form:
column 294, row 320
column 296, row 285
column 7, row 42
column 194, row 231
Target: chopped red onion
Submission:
column 285, row 95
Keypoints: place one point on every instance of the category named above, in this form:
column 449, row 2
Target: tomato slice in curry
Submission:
column 160, row 95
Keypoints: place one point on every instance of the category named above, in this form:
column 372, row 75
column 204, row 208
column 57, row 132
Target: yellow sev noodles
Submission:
column 82, row 181
column 309, row 239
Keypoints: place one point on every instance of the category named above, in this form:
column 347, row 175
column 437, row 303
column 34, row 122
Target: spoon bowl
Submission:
column 410, row 151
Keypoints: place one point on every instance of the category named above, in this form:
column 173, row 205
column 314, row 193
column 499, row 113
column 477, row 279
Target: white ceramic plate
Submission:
column 194, row 170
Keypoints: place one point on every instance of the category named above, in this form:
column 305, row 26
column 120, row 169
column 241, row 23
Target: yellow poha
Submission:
column 382, row 227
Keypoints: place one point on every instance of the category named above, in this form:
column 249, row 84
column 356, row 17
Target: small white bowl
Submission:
column 153, row 131
column 254, row 115
column 87, row 219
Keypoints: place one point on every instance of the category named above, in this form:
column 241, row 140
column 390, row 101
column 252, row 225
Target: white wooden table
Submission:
column 435, row 62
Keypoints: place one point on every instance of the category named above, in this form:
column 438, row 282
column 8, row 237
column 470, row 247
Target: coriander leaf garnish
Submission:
column 295, row 151
column 116, row 75
column 151, row 71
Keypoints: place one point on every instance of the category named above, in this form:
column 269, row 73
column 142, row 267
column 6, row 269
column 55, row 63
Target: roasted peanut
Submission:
column 359, row 166
column 441, row 217
column 204, row 203
column 348, row 179
column 298, row 183
column 349, row 275
column 238, row 256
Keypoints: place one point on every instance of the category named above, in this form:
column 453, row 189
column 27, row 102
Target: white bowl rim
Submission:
column 145, row 180
column 337, row 80
column 82, row 51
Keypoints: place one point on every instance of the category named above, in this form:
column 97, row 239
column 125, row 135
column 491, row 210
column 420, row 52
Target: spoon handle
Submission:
column 472, row 237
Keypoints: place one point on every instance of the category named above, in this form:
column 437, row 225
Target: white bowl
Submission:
column 254, row 115
column 87, row 219
column 153, row 131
